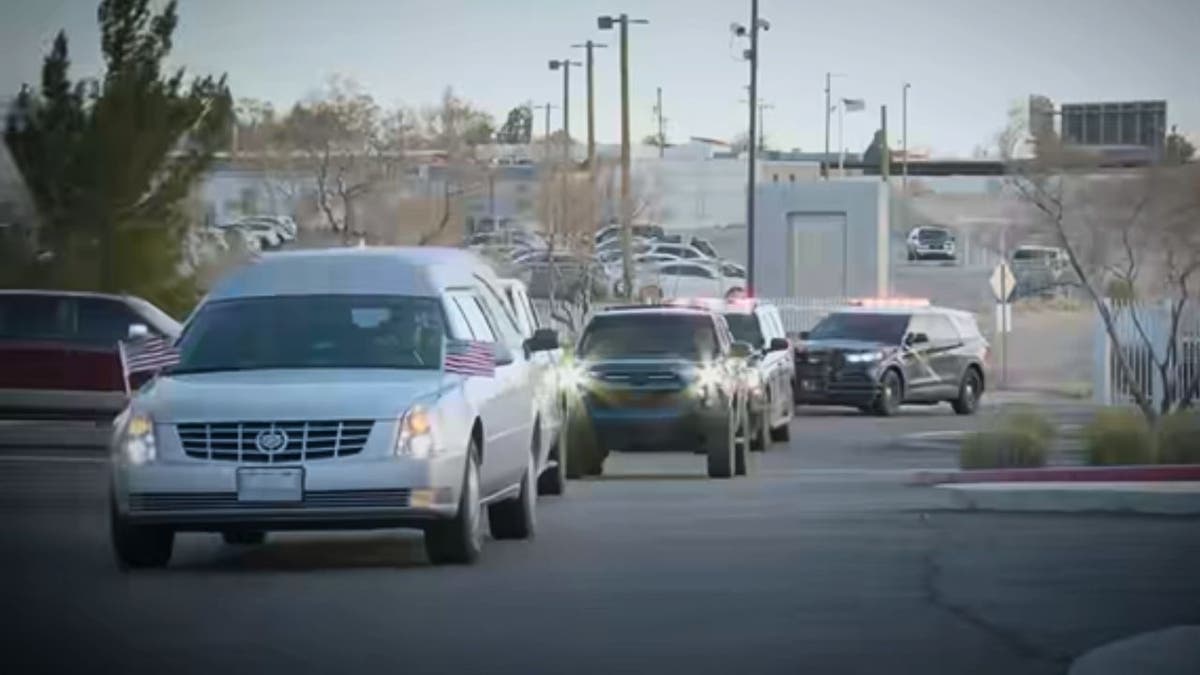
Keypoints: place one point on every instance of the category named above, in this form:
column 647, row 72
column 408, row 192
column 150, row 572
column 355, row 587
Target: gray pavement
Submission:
column 823, row 562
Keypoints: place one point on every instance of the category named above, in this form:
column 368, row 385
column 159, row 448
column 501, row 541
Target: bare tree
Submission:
column 1135, row 229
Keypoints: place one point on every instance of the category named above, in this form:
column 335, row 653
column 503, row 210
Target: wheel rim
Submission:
column 969, row 392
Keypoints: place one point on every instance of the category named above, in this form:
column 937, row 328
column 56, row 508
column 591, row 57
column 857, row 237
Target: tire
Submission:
column 783, row 433
column 720, row 452
column 891, row 394
column 759, row 436
column 517, row 518
column 460, row 539
column 139, row 546
column 969, row 391
column 553, row 481
column 741, row 449
column 244, row 537
column 584, row 455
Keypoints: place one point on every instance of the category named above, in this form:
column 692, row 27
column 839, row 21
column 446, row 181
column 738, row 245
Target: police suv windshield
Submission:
column 648, row 336
column 307, row 331
column 884, row 328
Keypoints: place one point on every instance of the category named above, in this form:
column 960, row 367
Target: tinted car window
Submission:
column 480, row 328
column 103, row 322
column 941, row 330
column 641, row 335
column 745, row 328
column 37, row 317
column 314, row 331
column 886, row 328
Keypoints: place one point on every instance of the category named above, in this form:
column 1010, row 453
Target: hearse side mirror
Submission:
column 543, row 340
column 778, row 345
column 916, row 339
column 804, row 335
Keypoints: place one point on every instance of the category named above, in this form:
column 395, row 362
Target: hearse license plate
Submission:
column 270, row 485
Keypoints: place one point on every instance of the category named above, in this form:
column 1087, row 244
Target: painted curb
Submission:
column 1073, row 499
column 1065, row 474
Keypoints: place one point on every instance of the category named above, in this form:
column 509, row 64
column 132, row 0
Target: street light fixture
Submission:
column 607, row 23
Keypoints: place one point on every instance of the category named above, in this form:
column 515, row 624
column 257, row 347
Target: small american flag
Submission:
column 147, row 355
column 467, row 357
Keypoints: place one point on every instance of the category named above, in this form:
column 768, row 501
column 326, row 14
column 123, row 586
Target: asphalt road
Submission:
column 824, row 562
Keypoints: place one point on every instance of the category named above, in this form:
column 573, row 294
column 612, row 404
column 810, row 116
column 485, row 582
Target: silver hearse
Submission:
column 339, row 389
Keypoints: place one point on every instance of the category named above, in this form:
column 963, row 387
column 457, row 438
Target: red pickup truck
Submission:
column 58, row 351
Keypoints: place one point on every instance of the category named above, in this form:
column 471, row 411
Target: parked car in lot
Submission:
column 615, row 270
column 931, row 242
column 644, row 231
column 337, row 389
column 547, row 370
column 687, row 279
column 58, row 351
column 684, row 251
column 1041, row 270
column 658, row 376
column 876, row 358
column 770, row 376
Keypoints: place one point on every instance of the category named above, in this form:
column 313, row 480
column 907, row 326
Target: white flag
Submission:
column 854, row 104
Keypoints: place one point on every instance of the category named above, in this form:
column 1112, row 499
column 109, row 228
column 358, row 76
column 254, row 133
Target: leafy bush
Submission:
column 1027, row 418
column 1179, row 438
column 1003, row 448
column 1118, row 436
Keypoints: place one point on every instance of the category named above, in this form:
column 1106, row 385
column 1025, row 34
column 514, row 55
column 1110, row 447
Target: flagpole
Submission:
column 124, row 367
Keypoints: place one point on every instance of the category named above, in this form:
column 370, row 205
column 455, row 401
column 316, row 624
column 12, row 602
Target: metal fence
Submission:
column 1143, row 337
column 801, row 314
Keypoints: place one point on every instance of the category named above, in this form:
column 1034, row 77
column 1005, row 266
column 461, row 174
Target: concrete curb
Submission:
column 1172, row 651
column 1063, row 474
column 1176, row 498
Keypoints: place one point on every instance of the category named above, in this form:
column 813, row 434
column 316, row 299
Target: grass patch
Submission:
column 1021, row 438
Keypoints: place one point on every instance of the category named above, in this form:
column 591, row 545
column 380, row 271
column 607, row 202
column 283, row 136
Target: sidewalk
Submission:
column 1151, row 498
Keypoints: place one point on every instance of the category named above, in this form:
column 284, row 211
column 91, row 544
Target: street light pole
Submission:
column 606, row 23
column 565, row 65
column 825, row 159
column 904, row 140
column 591, row 102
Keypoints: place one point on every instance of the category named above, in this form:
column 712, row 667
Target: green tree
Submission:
column 110, row 162
column 1179, row 149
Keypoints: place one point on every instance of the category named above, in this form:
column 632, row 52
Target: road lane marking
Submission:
column 53, row 459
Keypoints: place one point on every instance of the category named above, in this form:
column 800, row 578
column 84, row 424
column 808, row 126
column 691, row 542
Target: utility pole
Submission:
column 754, row 114
column 658, row 112
column 885, row 156
column 606, row 23
column 904, row 134
column 825, row 159
column 548, row 107
column 591, row 102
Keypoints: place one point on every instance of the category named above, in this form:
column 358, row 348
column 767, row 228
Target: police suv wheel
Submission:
column 968, row 394
column 891, row 392
column 553, row 480
column 759, row 439
column 741, row 444
column 721, row 450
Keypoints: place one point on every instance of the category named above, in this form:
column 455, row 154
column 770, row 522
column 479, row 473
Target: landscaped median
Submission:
column 1134, row 467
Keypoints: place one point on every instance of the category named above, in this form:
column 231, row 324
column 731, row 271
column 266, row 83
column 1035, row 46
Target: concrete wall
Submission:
column 822, row 239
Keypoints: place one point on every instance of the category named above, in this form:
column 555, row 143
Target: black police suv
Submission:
column 876, row 359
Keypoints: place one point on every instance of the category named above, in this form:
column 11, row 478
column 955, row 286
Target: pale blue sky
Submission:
column 966, row 60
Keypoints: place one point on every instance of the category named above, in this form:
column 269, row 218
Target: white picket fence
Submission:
column 1143, row 335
